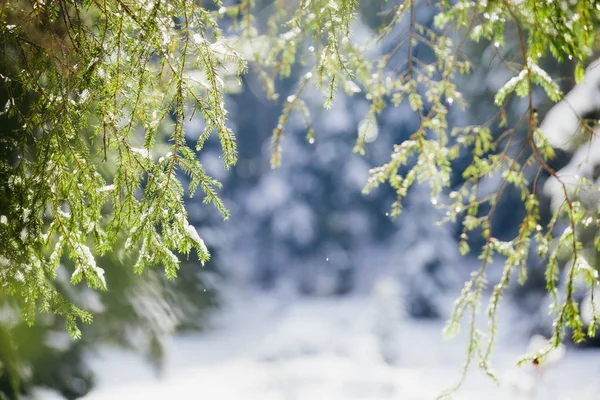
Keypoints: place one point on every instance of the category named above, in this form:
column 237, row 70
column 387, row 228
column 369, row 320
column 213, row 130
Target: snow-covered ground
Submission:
column 279, row 347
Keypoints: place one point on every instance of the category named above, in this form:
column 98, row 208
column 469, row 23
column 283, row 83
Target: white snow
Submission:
column 588, row 306
column 89, row 262
column 193, row 235
column 143, row 152
column 368, row 130
column 539, row 343
column 198, row 39
column 561, row 123
column 107, row 188
column 581, row 165
column 280, row 347
column 561, row 127
column 223, row 49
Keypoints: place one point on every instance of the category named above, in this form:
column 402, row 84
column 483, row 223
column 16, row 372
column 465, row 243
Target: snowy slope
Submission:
column 278, row 347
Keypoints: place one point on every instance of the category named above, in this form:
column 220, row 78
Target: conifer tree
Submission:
column 97, row 93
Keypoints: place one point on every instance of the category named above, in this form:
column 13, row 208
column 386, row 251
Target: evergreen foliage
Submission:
column 93, row 88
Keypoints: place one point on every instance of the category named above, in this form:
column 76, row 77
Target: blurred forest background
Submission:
column 305, row 228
